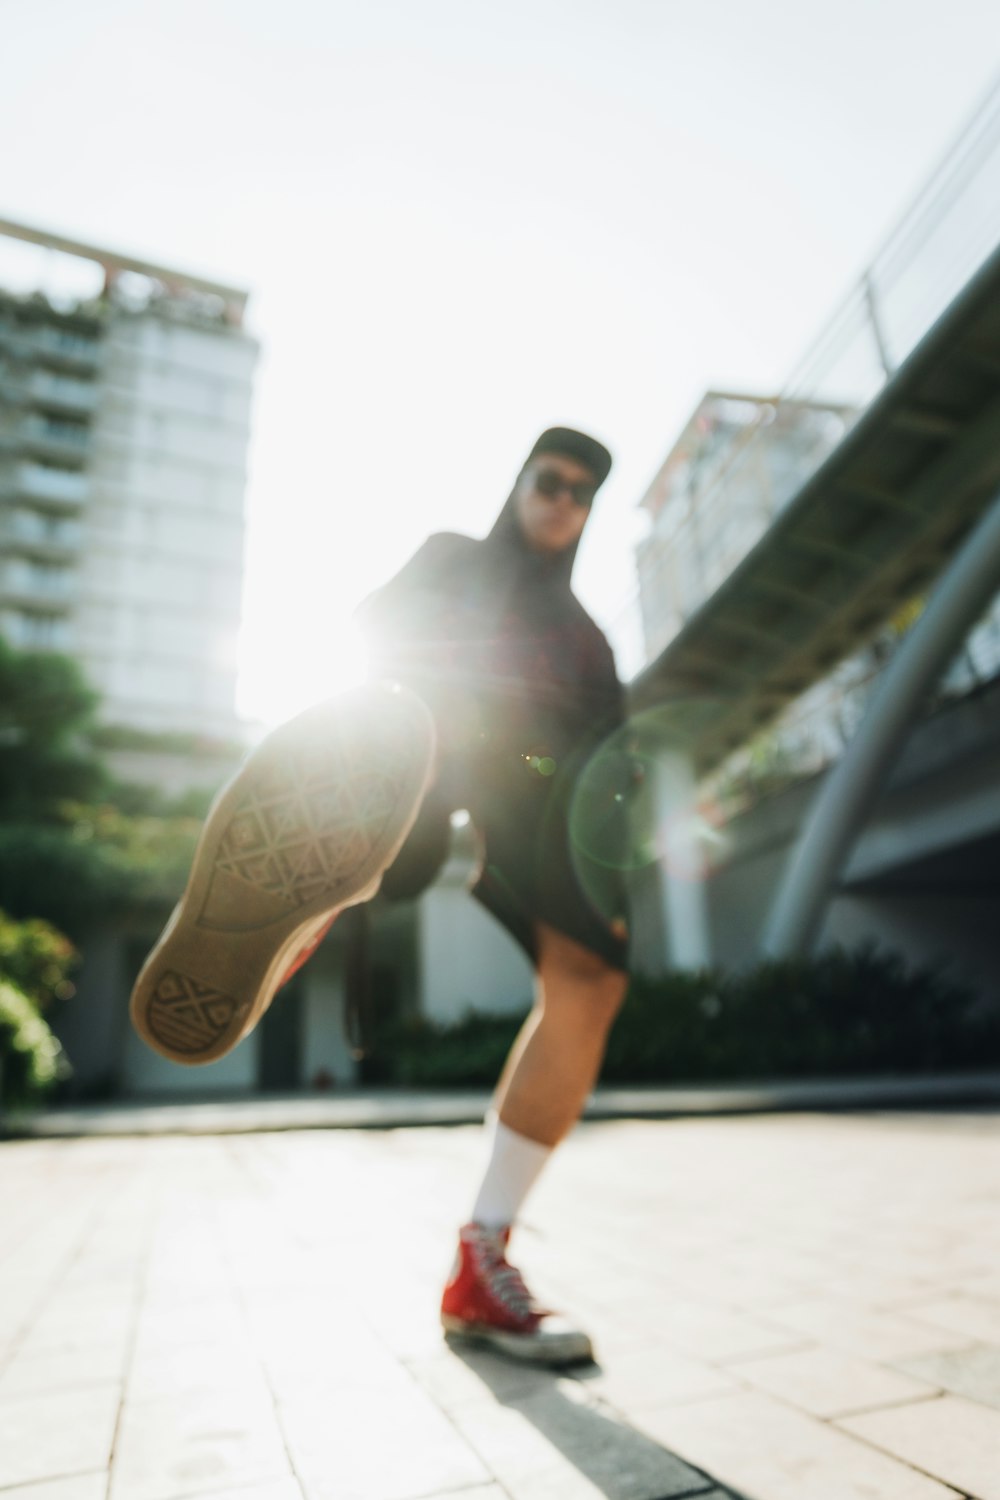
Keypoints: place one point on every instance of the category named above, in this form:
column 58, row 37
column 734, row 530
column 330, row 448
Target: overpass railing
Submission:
column 940, row 242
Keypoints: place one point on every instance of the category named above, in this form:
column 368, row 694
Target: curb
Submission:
column 390, row 1110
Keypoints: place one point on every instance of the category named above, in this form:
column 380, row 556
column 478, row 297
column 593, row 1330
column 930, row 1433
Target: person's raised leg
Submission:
column 551, row 1069
column 307, row 826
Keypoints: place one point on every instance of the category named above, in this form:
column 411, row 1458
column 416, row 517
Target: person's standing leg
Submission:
column 551, row 1069
column 554, row 1063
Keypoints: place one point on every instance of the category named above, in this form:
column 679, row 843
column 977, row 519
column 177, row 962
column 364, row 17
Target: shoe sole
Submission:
column 570, row 1348
column 306, row 826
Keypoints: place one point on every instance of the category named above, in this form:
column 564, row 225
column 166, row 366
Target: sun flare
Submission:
column 286, row 678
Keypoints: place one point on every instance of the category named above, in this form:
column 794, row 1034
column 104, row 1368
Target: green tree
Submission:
column 74, row 844
column 46, row 709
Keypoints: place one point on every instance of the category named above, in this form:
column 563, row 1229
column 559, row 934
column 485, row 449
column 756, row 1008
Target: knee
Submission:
column 584, row 985
column 596, row 999
column 607, row 993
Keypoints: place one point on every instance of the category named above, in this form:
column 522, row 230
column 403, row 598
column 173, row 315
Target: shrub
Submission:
column 860, row 1012
column 31, row 1059
column 418, row 1052
column 844, row 1012
column 36, row 959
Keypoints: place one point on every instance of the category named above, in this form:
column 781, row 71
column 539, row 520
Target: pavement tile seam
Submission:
column 22, row 1328
column 860, row 1437
column 71, row 1255
column 859, row 1411
column 628, row 1415
column 749, row 1387
column 909, row 1463
column 452, row 1418
column 731, row 1362
column 36, row 1484
column 280, row 1407
column 832, row 1418
column 282, row 1427
column 831, row 1421
column 54, row 1478
column 232, row 1488
column 972, row 1372
column 138, row 1294
column 890, row 1466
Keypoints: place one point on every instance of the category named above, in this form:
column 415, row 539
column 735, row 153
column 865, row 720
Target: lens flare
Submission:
column 637, row 804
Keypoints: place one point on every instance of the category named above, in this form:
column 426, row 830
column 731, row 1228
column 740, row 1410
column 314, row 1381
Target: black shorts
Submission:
column 534, row 867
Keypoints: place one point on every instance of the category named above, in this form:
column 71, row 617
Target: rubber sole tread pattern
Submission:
column 189, row 1017
column 303, row 830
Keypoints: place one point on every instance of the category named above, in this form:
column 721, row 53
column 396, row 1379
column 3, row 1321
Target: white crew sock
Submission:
column 514, row 1164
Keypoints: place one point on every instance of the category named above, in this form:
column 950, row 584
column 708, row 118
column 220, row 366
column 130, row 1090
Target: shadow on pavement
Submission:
column 621, row 1462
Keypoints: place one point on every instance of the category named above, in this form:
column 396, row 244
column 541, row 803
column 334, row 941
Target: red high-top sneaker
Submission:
column 487, row 1301
column 307, row 826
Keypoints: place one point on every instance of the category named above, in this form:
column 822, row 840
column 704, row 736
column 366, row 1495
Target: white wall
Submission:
column 101, row 1044
column 324, row 1045
column 145, row 1072
column 467, row 960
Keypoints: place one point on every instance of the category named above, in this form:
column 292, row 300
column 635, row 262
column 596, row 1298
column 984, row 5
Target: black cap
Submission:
column 586, row 450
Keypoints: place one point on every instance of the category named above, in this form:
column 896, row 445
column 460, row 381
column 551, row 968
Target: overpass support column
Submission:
column 846, row 797
column 682, row 889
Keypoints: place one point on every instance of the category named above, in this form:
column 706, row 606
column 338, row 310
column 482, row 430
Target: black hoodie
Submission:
column 491, row 634
column 522, row 686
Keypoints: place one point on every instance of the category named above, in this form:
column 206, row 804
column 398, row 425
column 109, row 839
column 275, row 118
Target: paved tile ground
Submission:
column 785, row 1307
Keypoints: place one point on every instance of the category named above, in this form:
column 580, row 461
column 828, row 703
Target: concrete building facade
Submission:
column 124, row 424
column 731, row 470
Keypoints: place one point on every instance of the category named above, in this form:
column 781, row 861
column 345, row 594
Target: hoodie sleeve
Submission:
column 600, row 697
column 404, row 622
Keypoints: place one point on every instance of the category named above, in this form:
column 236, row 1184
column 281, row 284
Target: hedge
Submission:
column 862, row 1011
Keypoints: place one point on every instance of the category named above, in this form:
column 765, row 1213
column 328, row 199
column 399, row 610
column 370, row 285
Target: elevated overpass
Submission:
column 906, row 507
column 872, row 528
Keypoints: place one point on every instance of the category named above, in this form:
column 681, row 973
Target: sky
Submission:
column 462, row 222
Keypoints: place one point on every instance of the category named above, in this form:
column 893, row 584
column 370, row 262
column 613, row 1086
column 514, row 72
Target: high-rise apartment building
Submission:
column 733, row 468
column 124, row 423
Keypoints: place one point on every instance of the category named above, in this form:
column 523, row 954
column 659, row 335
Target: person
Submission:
column 504, row 689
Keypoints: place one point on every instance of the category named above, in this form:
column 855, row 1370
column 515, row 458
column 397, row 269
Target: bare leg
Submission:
column 551, row 1069
column 557, row 1056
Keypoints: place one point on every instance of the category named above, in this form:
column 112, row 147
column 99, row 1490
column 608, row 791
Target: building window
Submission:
column 43, row 632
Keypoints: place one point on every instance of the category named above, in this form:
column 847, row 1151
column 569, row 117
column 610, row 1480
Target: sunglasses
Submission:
column 550, row 484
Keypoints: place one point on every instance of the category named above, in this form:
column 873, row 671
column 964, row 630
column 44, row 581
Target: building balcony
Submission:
column 41, row 482
column 30, row 535
column 50, row 438
column 63, row 349
column 62, row 392
column 18, row 593
column 61, row 487
column 13, row 392
column 36, row 630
